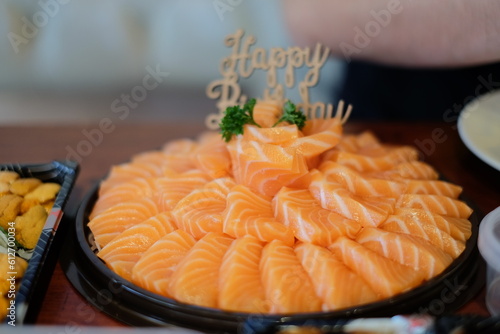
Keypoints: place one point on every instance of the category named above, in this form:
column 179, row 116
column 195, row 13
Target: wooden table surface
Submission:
column 99, row 146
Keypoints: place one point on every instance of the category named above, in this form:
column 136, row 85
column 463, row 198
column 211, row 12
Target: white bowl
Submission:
column 489, row 246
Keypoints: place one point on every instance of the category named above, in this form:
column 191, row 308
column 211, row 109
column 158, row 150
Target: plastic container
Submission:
column 489, row 247
column 43, row 258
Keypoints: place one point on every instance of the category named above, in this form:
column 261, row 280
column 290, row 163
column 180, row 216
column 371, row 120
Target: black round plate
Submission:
column 135, row 306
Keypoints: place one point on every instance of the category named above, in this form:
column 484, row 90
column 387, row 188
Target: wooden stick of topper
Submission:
column 242, row 62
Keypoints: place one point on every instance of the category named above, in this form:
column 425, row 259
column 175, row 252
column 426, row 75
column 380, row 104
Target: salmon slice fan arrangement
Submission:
column 125, row 249
column 240, row 284
column 248, row 213
column 284, row 215
column 196, row 278
column 154, row 267
column 331, row 277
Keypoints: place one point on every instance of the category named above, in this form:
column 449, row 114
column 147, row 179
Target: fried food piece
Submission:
column 23, row 186
column 4, row 188
column 10, row 207
column 48, row 206
column 44, row 193
column 8, row 176
column 4, row 304
column 19, row 267
column 30, row 225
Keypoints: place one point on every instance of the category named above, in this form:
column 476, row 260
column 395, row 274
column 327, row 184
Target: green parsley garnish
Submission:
column 292, row 116
column 236, row 117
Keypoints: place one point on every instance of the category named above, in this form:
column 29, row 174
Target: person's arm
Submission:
column 400, row 32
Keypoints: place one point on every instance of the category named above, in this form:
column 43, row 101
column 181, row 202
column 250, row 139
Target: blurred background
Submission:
column 79, row 60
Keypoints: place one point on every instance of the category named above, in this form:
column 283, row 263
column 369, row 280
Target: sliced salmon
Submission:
column 129, row 171
column 438, row 204
column 265, row 168
column 124, row 192
column 337, row 285
column 433, row 187
column 320, row 135
column 180, row 147
column 267, row 113
column 406, row 249
column 169, row 190
column 249, row 213
column 310, row 222
column 368, row 211
column 122, row 253
column 416, row 170
column 110, row 223
column 279, row 135
column 157, row 264
column 240, row 285
column 211, row 155
column 385, row 276
column 359, row 184
column 369, row 161
column 287, row 285
column 200, row 212
column 196, row 278
column 457, row 228
column 425, row 229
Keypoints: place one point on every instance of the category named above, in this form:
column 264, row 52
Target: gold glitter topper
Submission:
column 242, row 63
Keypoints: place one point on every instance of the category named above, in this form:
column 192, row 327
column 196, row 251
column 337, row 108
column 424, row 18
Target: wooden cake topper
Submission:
column 242, row 63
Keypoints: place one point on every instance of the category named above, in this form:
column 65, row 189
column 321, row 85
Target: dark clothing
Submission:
column 379, row 92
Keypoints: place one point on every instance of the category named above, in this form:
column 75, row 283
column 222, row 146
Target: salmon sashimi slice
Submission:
column 157, row 264
column 196, row 278
column 359, row 184
column 369, row 162
column 368, row 211
column 267, row 113
column 415, row 170
column 169, row 190
column 249, row 213
column 201, row 211
column 406, row 249
column 127, row 172
column 425, row 229
column 433, row 187
column 278, row 135
column 385, row 276
column 457, row 228
column 320, row 135
column 211, row 156
column 308, row 220
column 287, row 285
column 333, row 281
column 179, row 147
column 357, row 143
column 110, row 223
column 438, row 204
column 265, row 168
column 124, row 192
column 122, row 253
column 240, row 286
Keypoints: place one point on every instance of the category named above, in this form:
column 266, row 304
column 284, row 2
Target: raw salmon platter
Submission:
column 279, row 218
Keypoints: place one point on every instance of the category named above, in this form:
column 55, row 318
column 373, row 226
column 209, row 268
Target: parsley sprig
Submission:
column 292, row 115
column 236, row 117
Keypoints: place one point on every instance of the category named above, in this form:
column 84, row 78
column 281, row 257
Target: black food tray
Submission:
column 43, row 258
column 135, row 306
